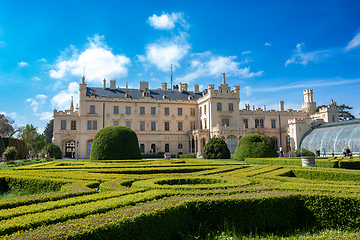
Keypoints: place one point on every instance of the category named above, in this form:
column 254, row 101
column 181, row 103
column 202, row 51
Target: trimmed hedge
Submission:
column 2, row 145
column 255, row 146
column 115, row 142
column 20, row 146
column 216, row 148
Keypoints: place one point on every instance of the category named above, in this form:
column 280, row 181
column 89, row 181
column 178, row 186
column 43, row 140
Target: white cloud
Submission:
column 23, row 64
column 246, row 90
column 97, row 59
column 167, row 21
column 267, row 44
column 246, row 52
column 42, row 60
column 35, row 79
column 301, row 57
column 161, row 54
column 62, row 100
column 38, row 102
column 354, row 43
column 206, row 65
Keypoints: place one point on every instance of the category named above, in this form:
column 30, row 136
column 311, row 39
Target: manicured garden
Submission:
column 175, row 199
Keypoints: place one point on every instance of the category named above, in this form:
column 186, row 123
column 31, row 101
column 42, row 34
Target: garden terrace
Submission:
column 163, row 199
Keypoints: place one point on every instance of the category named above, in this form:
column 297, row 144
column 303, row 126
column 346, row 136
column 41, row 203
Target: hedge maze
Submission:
column 170, row 199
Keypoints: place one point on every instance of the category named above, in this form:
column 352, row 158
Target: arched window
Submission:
column 153, row 148
column 167, row 148
column 88, row 147
column 180, row 148
column 142, row 148
column 232, row 143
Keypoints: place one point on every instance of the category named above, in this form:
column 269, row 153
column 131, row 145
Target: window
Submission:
column 180, row 148
column 116, row 109
column 200, row 124
column 116, row 123
column 180, row 127
column 179, row 111
column 262, row 123
column 256, row 123
column 63, row 125
column 92, row 109
column 142, row 148
column 128, row 110
column 192, row 111
column 273, row 123
column 205, row 123
column 153, row 110
column 142, row 126
column 218, row 106
column 205, row 109
column 73, row 125
column 89, row 125
column 153, row 126
column 167, row 148
column 246, row 123
column 232, row 143
column 166, row 111
column 88, row 147
column 167, row 126
column 128, row 124
column 94, row 125
column 142, row 110
column 200, row 111
column 231, row 107
column 225, row 122
column 192, row 125
column 153, row 148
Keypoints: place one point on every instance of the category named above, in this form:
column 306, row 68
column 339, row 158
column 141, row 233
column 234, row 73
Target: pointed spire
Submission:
column 83, row 78
column 127, row 83
column 72, row 104
column 171, row 86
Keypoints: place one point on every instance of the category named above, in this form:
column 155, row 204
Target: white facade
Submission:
column 178, row 120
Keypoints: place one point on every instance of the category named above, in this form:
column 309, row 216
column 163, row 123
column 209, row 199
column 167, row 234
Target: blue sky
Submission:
column 272, row 49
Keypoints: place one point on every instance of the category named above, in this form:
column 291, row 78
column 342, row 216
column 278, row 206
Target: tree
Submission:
column 344, row 113
column 48, row 132
column 53, row 150
column 216, row 148
column 33, row 139
column 6, row 126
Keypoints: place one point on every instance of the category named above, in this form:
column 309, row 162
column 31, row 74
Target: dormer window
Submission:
column 146, row 93
column 191, row 97
column 165, row 96
column 92, row 92
column 127, row 95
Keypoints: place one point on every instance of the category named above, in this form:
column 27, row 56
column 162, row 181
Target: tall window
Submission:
column 225, row 122
column 153, row 148
column 200, row 125
column 94, row 125
column 180, row 148
column 128, row 124
column 116, row 109
column 92, row 109
column 218, row 106
column 205, row 123
column 246, row 123
column 273, row 123
column 153, row 110
column 73, row 125
column 166, row 111
column 200, row 111
column 232, row 143
column 205, row 109
column 128, row 110
column 142, row 110
column 88, row 147
column 167, row 148
column 167, row 126
column 89, row 125
column 231, row 107
column 192, row 111
column 142, row 126
column 142, row 148
column 180, row 126
column 63, row 125
column 179, row 111
column 116, row 123
column 192, row 125
column 262, row 123
column 153, row 126
column 256, row 123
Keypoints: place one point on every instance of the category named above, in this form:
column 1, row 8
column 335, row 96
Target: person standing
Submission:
column 324, row 152
column 332, row 152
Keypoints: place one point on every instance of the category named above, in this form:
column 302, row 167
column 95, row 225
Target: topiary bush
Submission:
column 254, row 146
column 305, row 152
column 216, row 148
column 10, row 154
column 115, row 143
column 53, row 150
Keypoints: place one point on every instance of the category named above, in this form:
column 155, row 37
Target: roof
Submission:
column 332, row 124
column 137, row 93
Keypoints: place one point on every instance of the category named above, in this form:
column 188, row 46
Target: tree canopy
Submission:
column 33, row 139
column 48, row 132
column 344, row 113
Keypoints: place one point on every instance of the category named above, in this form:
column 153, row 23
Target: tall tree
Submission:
column 6, row 126
column 344, row 113
column 33, row 139
column 48, row 132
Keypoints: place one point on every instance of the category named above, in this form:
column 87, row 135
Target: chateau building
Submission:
column 178, row 120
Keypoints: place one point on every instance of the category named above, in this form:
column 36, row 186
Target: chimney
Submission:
column 164, row 86
column 104, row 83
column 196, row 88
column 112, row 84
column 72, row 104
column 281, row 106
column 144, row 85
column 223, row 82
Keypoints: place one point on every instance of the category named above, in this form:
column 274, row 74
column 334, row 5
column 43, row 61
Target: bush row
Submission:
column 165, row 219
column 314, row 174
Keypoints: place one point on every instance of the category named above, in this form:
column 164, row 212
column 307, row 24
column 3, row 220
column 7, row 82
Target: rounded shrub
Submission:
column 216, row 148
column 10, row 153
column 115, row 143
column 254, row 146
column 53, row 150
column 305, row 152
